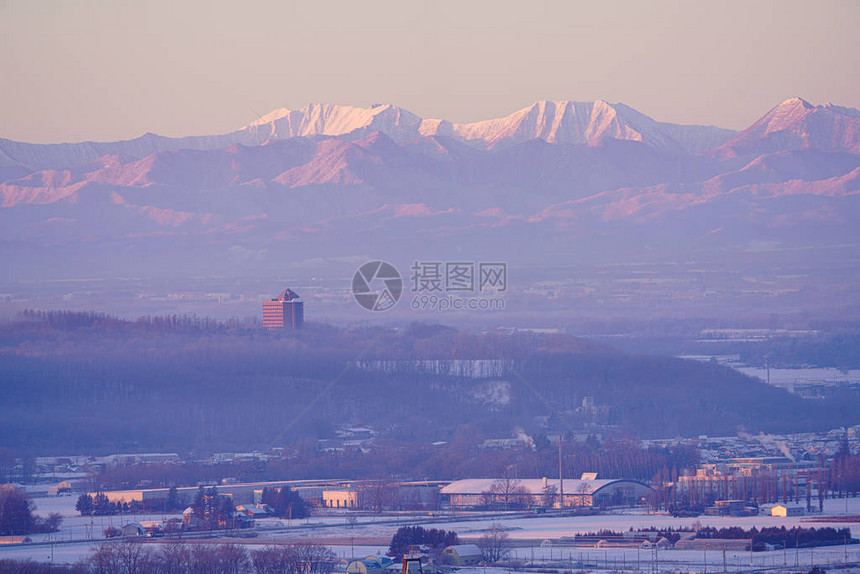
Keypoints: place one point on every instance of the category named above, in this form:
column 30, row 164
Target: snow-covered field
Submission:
column 786, row 378
column 371, row 533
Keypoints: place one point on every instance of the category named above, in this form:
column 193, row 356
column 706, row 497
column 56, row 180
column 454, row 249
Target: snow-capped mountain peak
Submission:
column 785, row 114
column 335, row 120
column 796, row 124
column 560, row 121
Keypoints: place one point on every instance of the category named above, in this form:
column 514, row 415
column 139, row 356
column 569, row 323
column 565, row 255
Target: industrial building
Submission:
column 369, row 565
column 786, row 510
column 586, row 491
column 240, row 493
column 462, row 555
column 285, row 312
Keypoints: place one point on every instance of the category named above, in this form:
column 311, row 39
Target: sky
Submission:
column 105, row 70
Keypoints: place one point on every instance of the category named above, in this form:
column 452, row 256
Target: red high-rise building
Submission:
column 284, row 312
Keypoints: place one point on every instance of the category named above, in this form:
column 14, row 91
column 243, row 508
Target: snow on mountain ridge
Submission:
column 793, row 124
column 785, row 114
column 552, row 121
column 336, row 120
column 796, row 124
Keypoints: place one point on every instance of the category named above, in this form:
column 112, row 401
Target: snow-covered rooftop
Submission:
column 534, row 486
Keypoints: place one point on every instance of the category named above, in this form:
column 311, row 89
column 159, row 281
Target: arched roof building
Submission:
column 527, row 492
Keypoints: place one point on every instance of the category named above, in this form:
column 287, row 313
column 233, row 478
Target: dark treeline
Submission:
column 285, row 502
column 17, row 517
column 37, row 320
column 839, row 349
column 463, row 457
column 843, row 474
column 780, row 536
column 435, row 539
column 90, row 383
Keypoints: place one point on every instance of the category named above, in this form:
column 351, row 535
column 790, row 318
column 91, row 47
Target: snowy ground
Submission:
column 787, row 378
column 371, row 534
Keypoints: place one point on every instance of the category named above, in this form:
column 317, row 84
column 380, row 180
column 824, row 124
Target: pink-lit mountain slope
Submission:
column 585, row 180
column 554, row 122
column 796, row 124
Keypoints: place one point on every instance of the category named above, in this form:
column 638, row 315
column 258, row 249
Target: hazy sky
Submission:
column 102, row 70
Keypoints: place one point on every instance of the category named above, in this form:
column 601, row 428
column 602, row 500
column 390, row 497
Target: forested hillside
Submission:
column 89, row 382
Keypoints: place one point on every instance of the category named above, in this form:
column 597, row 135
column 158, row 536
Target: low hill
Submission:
column 104, row 384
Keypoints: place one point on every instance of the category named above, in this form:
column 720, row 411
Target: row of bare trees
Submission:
column 133, row 557
column 833, row 479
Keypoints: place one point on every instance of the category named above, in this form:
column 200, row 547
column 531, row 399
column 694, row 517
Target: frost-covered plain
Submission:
column 370, row 535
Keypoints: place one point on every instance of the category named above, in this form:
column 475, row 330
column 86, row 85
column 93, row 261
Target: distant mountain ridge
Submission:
column 596, row 180
column 794, row 123
column 554, row 122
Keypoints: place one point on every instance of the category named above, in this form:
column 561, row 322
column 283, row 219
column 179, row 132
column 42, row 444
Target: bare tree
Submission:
column 508, row 490
column 231, row 559
column 104, row 560
column 272, row 560
column 487, row 498
column 294, row 558
column 202, row 559
column 495, row 545
column 127, row 557
column 582, row 490
column 377, row 496
column 133, row 557
column 550, row 495
column 173, row 558
column 314, row 558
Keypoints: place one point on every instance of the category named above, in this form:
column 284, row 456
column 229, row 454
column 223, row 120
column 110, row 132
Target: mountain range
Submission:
column 554, row 183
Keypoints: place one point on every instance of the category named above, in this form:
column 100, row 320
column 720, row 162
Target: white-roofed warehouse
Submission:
column 527, row 492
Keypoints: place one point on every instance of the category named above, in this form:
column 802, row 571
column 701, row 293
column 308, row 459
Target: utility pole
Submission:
column 767, row 366
column 750, row 552
column 560, row 474
column 797, row 551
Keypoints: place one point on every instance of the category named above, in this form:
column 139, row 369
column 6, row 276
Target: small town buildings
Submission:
column 766, row 509
column 369, row 565
column 731, row 508
column 663, row 544
column 730, row 544
column 241, row 493
column 341, row 498
column 383, row 495
column 62, row 487
column 786, row 510
column 255, row 511
column 188, row 518
column 15, row 540
column 462, row 555
column 421, row 566
column 133, row 529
